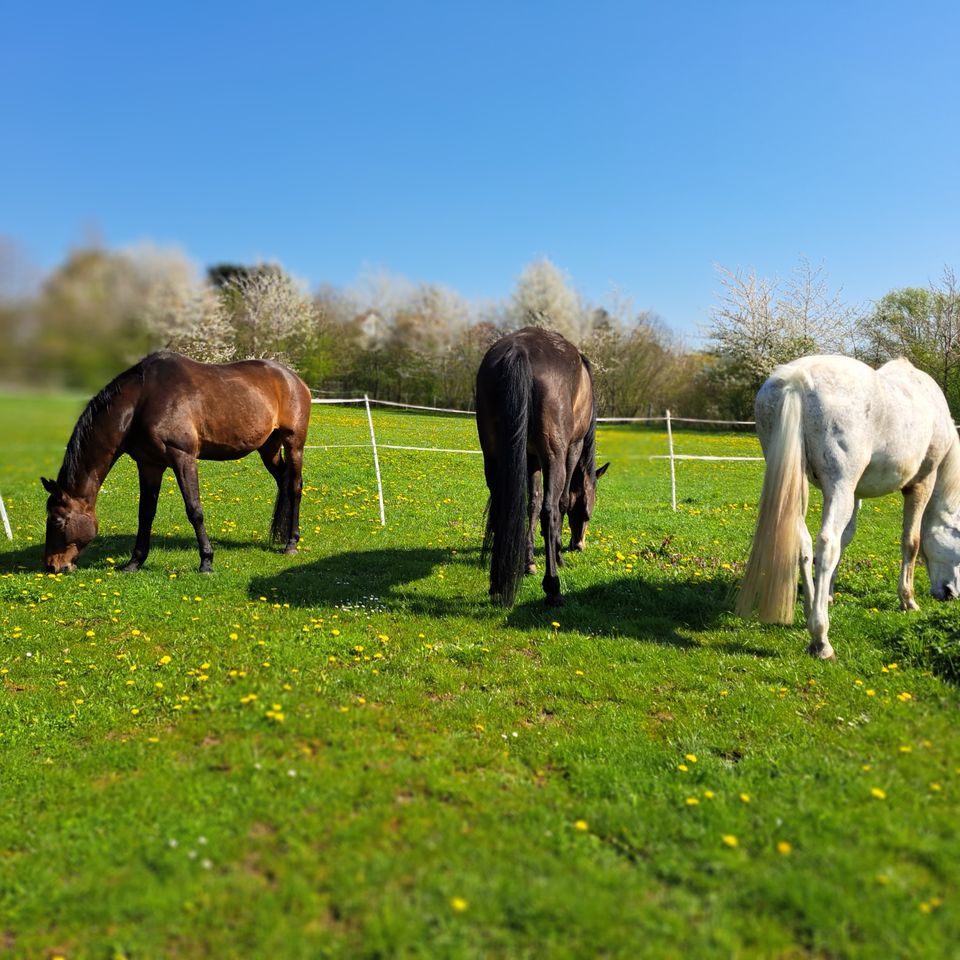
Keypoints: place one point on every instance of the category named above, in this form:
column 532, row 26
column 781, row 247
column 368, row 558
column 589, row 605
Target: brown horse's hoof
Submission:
column 290, row 552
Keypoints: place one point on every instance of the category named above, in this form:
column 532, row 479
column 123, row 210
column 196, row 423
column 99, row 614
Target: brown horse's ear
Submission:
column 49, row 485
column 602, row 470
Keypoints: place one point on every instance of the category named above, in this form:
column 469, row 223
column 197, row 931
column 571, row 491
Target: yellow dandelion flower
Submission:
column 744, row 797
column 692, row 757
column 581, row 825
column 730, row 840
column 784, row 848
column 878, row 793
column 692, row 801
column 458, row 904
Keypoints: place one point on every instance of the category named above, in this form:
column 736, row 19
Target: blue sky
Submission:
column 635, row 144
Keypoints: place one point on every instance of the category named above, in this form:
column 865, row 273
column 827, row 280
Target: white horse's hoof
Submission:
column 822, row 653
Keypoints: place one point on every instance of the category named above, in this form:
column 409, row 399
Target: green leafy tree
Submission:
column 923, row 325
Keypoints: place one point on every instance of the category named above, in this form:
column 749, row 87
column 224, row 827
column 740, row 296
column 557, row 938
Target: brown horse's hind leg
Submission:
column 293, row 453
column 185, row 467
column 150, row 480
column 283, row 459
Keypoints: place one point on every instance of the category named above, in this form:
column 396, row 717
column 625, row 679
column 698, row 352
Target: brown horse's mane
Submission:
column 85, row 427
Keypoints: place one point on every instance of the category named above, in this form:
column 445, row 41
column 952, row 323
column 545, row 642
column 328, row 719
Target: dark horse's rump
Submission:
column 170, row 411
column 535, row 414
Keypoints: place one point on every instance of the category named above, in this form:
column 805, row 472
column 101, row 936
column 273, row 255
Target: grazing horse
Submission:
column 535, row 414
column 170, row 411
column 855, row 432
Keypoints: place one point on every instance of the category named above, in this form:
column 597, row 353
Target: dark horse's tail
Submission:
column 281, row 527
column 506, row 533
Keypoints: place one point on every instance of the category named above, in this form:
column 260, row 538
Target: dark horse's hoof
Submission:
column 555, row 600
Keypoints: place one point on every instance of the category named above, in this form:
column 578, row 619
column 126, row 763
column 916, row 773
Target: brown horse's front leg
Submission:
column 185, row 467
column 150, row 481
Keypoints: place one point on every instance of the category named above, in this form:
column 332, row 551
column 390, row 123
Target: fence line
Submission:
column 672, row 455
column 6, row 520
column 376, row 461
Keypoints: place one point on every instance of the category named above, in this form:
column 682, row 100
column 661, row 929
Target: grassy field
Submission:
column 350, row 753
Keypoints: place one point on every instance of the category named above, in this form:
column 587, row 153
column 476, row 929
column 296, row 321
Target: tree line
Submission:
column 100, row 310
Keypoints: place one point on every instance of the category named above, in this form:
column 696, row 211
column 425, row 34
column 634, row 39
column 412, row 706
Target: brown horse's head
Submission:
column 71, row 525
column 583, row 497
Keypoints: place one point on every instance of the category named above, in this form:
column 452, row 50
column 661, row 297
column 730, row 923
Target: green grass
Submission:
column 351, row 754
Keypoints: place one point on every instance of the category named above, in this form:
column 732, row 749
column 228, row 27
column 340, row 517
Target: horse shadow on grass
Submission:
column 29, row 559
column 391, row 579
column 671, row 614
column 406, row 581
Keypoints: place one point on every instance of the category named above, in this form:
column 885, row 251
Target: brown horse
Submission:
column 170, row 411
column 535, row 414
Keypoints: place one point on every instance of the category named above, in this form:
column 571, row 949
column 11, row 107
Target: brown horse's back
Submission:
column 216, row 411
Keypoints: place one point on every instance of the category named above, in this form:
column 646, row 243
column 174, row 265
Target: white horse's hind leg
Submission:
column 837, row 509
column 806, row 553
column 915, row 500
column 848, row 531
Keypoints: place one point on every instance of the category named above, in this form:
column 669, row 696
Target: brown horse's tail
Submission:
column 770, row 579
column 506, row 532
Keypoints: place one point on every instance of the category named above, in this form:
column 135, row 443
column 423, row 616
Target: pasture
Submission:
column 350, row 753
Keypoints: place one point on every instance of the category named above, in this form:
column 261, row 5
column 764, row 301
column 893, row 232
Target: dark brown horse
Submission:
column 170, row 411
column 535, row 415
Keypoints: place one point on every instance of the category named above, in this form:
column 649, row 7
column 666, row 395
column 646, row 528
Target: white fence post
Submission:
column 6, row 521
column 673, row 471
column 376, row 460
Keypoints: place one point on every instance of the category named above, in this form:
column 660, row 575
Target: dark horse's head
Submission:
column 71, row 525
column 583, row 498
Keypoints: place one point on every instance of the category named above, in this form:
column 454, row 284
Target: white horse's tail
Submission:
column 770, row 579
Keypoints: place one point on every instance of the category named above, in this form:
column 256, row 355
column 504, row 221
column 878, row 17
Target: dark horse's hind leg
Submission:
column 185, row 467
column 284, row 460
column 150, row 481
column 534, row 502
column 550, row 519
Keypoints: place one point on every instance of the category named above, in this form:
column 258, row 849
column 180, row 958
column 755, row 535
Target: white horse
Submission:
column 855, row 432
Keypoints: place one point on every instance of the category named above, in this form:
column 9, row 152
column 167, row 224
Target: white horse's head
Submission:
column 940, row 544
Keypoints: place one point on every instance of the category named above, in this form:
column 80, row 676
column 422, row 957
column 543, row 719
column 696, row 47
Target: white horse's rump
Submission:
column 855, row 432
